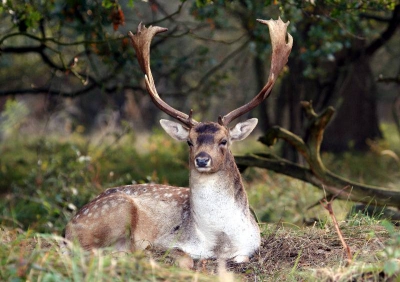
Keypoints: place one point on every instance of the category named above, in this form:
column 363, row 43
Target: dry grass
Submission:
column 305, row 254
column 286, row 254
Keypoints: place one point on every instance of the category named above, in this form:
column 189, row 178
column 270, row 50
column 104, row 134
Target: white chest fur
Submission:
column 223, row 228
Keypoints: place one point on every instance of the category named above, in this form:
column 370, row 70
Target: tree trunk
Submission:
column 349, row 87
column 356, row 120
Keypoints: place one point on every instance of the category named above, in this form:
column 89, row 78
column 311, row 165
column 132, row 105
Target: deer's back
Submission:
column 128, row 217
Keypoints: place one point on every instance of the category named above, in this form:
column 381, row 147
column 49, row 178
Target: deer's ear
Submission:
column 175, row 129
column 243, row 129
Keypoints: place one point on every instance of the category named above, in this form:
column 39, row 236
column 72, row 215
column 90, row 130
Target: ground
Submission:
column 287, row 253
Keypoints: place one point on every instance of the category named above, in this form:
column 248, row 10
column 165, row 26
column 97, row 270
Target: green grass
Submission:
column 44, row 180
column 286, row 254
column 37, row 257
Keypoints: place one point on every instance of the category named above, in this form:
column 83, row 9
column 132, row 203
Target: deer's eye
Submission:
column 223, row 142
column 189, row 143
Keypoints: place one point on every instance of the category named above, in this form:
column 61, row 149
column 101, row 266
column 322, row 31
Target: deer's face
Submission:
column 208, row 142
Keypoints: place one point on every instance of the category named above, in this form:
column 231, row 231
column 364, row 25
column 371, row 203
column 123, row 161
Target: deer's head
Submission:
column 209, row 142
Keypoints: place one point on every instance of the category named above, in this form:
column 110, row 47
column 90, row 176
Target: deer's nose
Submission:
column 203, row 160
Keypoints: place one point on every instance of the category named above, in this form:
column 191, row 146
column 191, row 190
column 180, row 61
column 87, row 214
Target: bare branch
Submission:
column 70, row 94
column 390, row 30
column 317, row 174
column 168, row 16
column 394, row 79
column 60, row 43
column 375, row 17
column 328, row 206
column 34, row 49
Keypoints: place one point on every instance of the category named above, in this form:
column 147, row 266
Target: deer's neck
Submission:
column 216, row 193
column 220, row 223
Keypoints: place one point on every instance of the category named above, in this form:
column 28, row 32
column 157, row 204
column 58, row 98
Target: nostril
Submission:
column 202, row 162
column 203, row 159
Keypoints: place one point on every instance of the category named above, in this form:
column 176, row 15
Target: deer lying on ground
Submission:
column 211, row 218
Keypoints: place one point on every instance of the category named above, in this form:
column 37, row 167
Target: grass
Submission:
column 286, row 254
column 31, row 256
column 44, row 180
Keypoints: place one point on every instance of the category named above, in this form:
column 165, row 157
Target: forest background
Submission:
column 75, row 117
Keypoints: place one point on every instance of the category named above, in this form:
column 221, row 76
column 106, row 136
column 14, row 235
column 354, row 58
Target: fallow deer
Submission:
column 211, row 218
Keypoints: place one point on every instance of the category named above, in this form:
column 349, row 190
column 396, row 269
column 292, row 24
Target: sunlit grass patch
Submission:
column 28, row 256
column 286, row 254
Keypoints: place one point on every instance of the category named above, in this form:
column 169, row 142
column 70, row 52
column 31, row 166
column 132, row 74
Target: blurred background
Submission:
column 75, row 117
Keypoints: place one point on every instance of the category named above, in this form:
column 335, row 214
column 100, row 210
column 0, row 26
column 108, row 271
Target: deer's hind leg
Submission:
column 105, row 222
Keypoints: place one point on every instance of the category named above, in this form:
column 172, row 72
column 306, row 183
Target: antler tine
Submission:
column 141, row 42
column 280, row 54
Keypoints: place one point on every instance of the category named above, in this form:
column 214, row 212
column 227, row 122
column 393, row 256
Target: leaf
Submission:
column 107, row 4
column 389, row 227
column 391, row 267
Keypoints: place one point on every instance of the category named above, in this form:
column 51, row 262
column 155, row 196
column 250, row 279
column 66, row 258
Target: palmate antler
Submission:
column 141, row 42
column 280, row 53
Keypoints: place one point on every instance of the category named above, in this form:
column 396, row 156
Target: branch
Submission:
column 278, row 165
column 328, row 206
column 33, row 49
column 48, row 91
column 220, row 65
column 395, row 79
column 393, row 24
column 375, row 17
column 384, row 37
column 316, row 174
column 69, row 94
column 60, row 43
column 168, row 16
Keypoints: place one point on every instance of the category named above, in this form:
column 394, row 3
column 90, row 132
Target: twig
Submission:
column 328, row 206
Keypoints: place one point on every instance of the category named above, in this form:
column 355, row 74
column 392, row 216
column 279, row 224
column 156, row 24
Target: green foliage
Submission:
column 392, row 250
column 46, row 179
column 37, row 257
column 13, row 116
column 24, row 14
column 382, row 157
column 321, row 29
